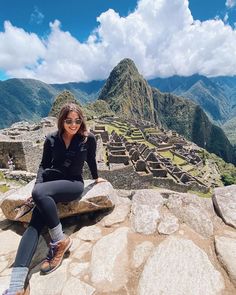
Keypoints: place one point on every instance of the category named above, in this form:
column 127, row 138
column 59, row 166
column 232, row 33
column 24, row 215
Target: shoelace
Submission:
column 52, row 251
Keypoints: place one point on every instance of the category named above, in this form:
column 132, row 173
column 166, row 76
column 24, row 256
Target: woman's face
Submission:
column 72, row 123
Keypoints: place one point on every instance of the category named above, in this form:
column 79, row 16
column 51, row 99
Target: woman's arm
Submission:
column 46, row 160
column 91, row 155
column 91, row 158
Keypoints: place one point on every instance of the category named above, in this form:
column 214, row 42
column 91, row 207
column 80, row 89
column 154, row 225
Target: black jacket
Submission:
column 69, row 160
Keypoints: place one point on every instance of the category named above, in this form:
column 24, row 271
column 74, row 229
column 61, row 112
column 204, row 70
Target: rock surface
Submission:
column 191, row 210
column 145, row 211
column 224, row 200
column 226, row 250
column 94, row 197
column 144, row 246
column 177, row 267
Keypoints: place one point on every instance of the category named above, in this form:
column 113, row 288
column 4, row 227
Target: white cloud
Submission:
column 161, row 37
column 36, row 16
column 19, row 49
column 230, row 3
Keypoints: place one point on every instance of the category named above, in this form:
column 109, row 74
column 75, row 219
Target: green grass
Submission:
column 202, row 195
column 2, row 175
column 4, row 188
column 176, row 160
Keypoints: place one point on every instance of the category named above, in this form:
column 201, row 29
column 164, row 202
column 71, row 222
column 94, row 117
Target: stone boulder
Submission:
column 192, row 210
column 145, row 211
column 224, row 199
column 179, row 267
column 226, row 253
column 95, row 197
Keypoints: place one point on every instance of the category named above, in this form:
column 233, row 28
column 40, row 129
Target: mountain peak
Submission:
column 127, row 92
column 126, row 64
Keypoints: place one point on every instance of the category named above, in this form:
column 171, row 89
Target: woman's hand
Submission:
column 100, row 179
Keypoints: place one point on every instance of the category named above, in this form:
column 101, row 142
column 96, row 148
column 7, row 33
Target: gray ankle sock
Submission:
column 56, row 233
column 18, row 277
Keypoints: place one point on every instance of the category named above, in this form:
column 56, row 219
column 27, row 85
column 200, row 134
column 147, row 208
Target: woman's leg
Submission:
column 25, row 252
column 46, row 195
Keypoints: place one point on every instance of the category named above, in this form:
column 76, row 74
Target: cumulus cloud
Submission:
column 19, row 49
column 230, row 3
column 160, row 36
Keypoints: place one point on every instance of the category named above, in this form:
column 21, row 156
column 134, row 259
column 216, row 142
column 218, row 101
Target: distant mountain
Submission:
column 209, row 94
column 24, row 99
column 62, row 98
column 216, row 96
column 30, row 100
column 85, row 92
column 129, row 95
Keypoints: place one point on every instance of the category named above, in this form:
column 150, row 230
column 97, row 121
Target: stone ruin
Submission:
column 23, row 142
column 144, row 167
column 102, row 132
column 125, row 163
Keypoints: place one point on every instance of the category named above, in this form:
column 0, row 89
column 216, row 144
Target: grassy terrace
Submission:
column 175, row 159
column 121, row 129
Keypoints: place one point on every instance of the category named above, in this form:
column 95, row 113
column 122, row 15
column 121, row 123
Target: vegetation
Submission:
column 227, row 170
column 99, row 108
column 4, row 188
column 175, row 159
column 62, row 98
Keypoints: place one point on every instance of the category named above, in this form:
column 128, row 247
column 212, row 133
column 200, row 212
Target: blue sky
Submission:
column 75, row 40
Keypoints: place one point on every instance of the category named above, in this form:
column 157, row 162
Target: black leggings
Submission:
column 45, row 195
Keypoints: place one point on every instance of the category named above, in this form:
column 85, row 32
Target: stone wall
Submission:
column 33, row 155
column 25, row 155
column 122, row 178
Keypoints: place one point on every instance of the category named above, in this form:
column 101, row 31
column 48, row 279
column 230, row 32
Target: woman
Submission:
column 59, row 179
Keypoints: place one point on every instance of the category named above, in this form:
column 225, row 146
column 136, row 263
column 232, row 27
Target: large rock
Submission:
column 141, row 253
column 95, row 197
column 193, row 211
column 52, row 283
column 118, row 215
column 169, row 224
column 109, row 261
column 226, row 252
column 11, row 241
column 145, row 211
column 224, row 199
column 178, row 267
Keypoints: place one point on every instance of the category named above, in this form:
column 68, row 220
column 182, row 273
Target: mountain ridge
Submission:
column 128, row 94
column 171, row 111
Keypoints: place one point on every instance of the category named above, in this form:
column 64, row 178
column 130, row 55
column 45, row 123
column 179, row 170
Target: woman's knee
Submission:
column 37, row 192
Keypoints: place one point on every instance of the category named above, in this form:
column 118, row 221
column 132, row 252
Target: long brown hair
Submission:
column 71, row 107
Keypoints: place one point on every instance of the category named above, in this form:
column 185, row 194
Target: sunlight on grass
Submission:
column 202, row 195
column 175, row 159
column 4, row 188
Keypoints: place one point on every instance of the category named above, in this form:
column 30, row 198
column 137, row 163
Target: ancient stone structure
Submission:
column 115, row 154
column 25, row 155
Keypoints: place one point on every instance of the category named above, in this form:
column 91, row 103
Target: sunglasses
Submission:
column 70, row 121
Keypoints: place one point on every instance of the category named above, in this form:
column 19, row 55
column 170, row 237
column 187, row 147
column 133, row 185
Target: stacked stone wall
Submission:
column 15, row 150
column 25, row 155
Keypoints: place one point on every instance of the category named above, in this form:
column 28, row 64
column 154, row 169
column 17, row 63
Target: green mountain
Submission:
column 24, row 99
column 84, row 92
column 130, row 96
column 216, row 96
column 127, row 93
column 30, row 100
column 210, row 95
column 62, row 98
